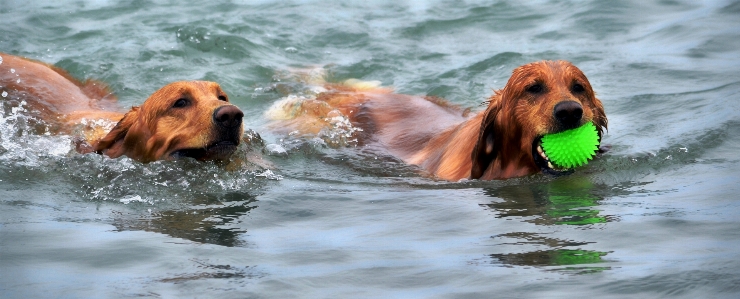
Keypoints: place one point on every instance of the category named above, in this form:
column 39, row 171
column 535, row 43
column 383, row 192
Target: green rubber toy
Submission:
column 572, row 148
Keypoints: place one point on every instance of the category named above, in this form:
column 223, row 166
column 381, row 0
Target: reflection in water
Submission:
column 209, row 219
column 210, row 271
column 570, row 200
column 561, row 254
column 556, row 257
column 567, row 200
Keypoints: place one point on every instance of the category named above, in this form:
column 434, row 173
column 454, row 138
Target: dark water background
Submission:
column 657, row 216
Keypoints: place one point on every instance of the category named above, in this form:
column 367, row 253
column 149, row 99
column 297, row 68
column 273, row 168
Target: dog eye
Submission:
column 222, row 98
column 180, row 103
column 577, row 88
column 535, row 88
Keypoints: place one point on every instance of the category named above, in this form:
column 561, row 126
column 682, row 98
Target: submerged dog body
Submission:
column 182, row 119
column 501, row 142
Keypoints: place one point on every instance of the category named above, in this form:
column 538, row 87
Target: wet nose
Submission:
column 228, row 116
column 568, row 114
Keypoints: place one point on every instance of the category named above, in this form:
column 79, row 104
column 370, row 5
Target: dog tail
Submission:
column 99, row 92
column 286, row 108
column 357, row 85
column 319, row 81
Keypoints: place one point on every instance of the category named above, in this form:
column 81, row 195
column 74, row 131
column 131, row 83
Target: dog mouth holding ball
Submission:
column 572, row 144
column 586, row 150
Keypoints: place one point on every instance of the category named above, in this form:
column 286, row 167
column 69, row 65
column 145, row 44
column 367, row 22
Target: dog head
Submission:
column 540, row 98
column 182, row 119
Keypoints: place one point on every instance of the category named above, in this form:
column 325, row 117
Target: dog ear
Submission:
column 599, row 116
column 486, row 148
column 112, row 144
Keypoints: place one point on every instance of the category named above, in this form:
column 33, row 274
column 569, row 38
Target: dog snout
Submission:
column 228, row 116
column 568, row 114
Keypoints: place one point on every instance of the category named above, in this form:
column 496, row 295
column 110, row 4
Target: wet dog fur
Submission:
column 182, row 119
column 448, row 142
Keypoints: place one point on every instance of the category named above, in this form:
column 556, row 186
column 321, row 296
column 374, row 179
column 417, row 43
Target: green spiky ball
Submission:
column 572, row 148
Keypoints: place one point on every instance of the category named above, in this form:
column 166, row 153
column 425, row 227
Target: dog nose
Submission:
column 228, row 116
column 568, row 113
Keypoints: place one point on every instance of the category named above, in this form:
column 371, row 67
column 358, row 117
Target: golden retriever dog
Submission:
column 182, row 119
column 498, row 143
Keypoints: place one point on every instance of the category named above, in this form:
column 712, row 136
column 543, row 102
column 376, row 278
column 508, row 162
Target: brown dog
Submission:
column 498, row 143
column 182, row 119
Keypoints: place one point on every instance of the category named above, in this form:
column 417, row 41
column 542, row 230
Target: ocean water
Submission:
column 658, row 216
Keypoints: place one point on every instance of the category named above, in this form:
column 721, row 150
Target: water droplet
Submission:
column 18, row 81
column 12, row 71
column 5, row 93
column 1, row 60
column 291, row 50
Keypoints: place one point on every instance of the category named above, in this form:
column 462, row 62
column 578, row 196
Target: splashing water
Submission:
column 336, row 131
column 27, row 142
column 341, row 132
column 20, row 141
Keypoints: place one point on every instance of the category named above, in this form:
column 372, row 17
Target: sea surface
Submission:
column 657, row 216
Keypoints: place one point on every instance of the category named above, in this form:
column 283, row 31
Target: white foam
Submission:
column 275, row 149
column 133, row 198
column 104, row 124
column 341, row 132
column 22, row 145
column 268, row 174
